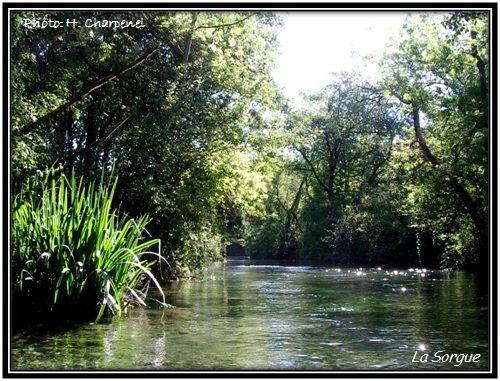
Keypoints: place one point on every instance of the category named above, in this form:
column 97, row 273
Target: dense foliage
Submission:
column 438, row 74
column 393, row 171
column 166, row 105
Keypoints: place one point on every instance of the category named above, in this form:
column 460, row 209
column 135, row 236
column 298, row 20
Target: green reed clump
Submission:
column 73, row 256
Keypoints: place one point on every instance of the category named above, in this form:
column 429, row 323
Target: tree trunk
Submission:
column 469, row 204
column 481, row 67
column 189, row 39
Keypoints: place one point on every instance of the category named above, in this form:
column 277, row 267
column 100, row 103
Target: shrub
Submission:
column 73, row 256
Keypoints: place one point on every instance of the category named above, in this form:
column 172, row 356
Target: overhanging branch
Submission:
column 101, row 82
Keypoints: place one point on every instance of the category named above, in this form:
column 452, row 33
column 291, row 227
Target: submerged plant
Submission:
column 73, row 255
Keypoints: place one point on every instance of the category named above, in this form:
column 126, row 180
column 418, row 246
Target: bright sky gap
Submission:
column 315, row 44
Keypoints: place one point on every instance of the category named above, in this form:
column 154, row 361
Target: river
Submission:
column 251, row 316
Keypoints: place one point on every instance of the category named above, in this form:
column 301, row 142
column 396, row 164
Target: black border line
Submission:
column 492, row 8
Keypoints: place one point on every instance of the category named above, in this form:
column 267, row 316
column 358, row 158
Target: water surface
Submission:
column 271, row 316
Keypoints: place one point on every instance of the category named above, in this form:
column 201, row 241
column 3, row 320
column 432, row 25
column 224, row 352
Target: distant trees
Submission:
column 394, row 172
column 339, row 203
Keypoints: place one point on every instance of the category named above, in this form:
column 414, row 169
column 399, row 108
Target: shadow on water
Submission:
column 270, row 315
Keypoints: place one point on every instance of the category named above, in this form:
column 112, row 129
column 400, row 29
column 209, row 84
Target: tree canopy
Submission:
column 185, row 113
column 163, row 105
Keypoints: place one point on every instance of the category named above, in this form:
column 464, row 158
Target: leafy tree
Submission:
column 164, row 104
column 438, row 73
column 186, row 112
column 345, row 140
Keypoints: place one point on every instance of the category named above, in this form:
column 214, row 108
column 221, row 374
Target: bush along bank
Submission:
column 73, row 256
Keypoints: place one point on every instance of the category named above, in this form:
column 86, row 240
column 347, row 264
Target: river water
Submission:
column 252, row 316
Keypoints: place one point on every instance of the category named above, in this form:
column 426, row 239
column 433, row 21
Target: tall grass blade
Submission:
column 66, row 237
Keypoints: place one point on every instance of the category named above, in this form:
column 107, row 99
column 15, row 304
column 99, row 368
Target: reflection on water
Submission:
column 248, row 316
